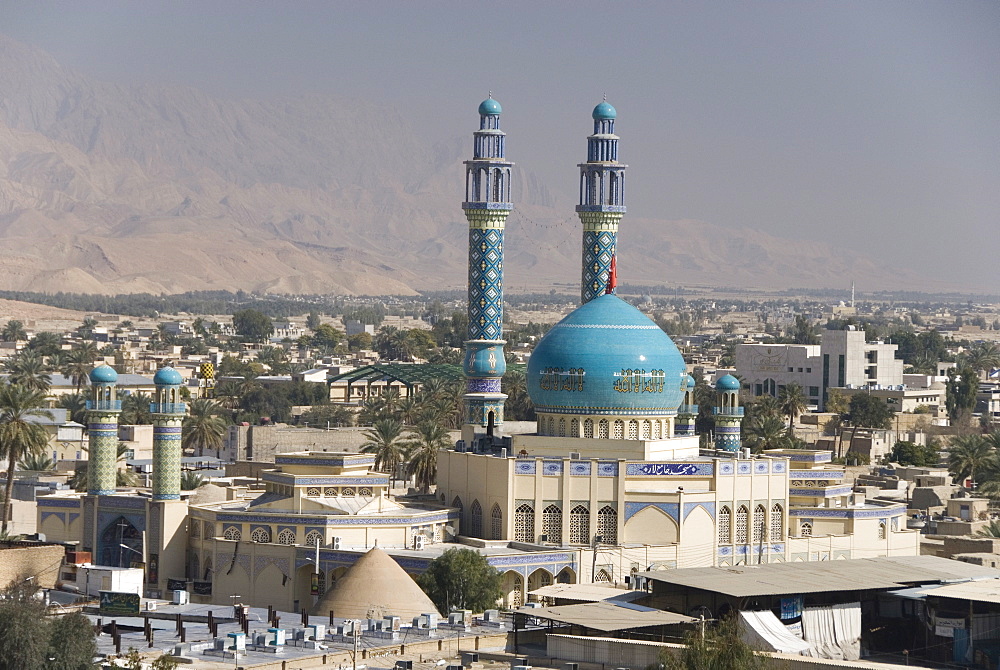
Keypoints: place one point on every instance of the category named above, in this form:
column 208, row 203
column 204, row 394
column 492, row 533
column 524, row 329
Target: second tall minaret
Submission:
column 487, row 204
column 602, row 202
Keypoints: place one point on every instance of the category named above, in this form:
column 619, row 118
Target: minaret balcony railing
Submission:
column 728, row 411
column 104, row 405
column 687, row 409
column 168, row 407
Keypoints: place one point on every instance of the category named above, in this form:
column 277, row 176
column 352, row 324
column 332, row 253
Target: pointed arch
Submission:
column 607, row 524
column 524, row 523
column 588, row 428
column 724, row 524
column 476, row 519
column 602, row 429
column 777, row 522
column 881, row 530
column 579, row 525
column 805, row 529
column 552, row 523
column 742, row 525
column 496, row 522
column 759, row 524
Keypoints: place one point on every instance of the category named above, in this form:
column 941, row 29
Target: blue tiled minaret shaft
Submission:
column 168, row 417
column 602, row 202
column 102, row 419
column 687, row 413
column 487, row 204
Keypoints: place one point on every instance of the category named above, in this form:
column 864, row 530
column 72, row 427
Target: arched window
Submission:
column 588, row 428
column 602, row 576
column 562, row 427
column 476, row 519
column 313, row 537
column 645, row 430
column 607, row 524
column 320, row 583
column 457, row 503
column 725, row 525
column 619, row 430
column 579, row 525
column 233, row 534
column 602, row 429
column 287, row 536
column 496, row 522
column 742, row 524
column 574, row 428
column 777, row 522
column 312, row 492
column 805, row 529
column 260, row 534
column 759, row 524
column 365, row 492
column 207, row 574
column 195, row 530
column 209, row 530
column 552, row 523
column 195, row 567
column 633, row 430
column 524, row 523
column 881, row 530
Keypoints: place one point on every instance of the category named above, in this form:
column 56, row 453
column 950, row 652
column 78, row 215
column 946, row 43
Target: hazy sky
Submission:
column 875, row 125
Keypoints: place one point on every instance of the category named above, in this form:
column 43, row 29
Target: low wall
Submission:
column 639, row 654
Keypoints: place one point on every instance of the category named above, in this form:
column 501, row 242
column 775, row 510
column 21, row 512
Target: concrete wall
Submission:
column 40, row 561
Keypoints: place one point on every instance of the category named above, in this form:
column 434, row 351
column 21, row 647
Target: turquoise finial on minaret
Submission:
column 168, row 417
column 602, row 201
column 487, row 204
column 728, row 414
column 103, row 408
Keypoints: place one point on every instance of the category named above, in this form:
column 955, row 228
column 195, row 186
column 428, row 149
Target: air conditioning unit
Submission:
column 335, row 543
column 574, row 455
column 418, row 541
column 181, row 597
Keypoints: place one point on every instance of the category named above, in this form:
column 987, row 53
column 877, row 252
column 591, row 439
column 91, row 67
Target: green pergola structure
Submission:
column 409, row 375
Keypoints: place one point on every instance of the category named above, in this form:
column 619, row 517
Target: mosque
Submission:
column 612, row 481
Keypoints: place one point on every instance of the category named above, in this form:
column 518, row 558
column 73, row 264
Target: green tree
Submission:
column 45, row 343
column 867, row 411
column 204, row 427
column 428, row 439
column 72, row 645
column 721, row 648
column 334, row 415
column 910, row 453
column 190, row 480
column 135, row 410
column 383, row 440
column 24, row 628
column 312, row 321
column 78, row 365
column 253, row 326
column 20, row 437
column 76, row 406
column 28, row 370
column 804, row 331
column 961, row 389
column 326, row 336
column 360, row 341
column 461, row 579
column 793, row 402
column 765, row 431
column 992, row 529
column 36, row 463
column 13, row 331
column 967, row 455
column 983, row 357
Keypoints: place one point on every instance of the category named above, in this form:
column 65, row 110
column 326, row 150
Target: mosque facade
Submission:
column 613, row 480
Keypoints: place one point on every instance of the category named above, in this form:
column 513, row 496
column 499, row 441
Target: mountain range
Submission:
column 106, row 188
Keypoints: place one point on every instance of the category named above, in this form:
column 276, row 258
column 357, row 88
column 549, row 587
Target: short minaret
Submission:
column 687, row 413
column 728, row 414
column 168, row 417
column 602, row 202
column 102, row 418
column 487, row 204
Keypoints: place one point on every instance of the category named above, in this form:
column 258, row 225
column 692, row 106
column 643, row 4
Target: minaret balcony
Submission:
column 168, row 407
column 104, row 405
column 687, row 409
column 727, row 411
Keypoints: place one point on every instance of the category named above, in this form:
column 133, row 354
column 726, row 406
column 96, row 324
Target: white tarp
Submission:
column 765, row 632
column 834, row 632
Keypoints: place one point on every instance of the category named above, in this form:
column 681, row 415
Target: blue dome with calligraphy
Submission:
column 606, row 357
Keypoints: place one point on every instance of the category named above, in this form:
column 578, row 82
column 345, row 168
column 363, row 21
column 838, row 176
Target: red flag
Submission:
column 612, row 276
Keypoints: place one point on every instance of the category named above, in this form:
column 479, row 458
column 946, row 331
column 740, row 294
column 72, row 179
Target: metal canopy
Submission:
column 607, row 616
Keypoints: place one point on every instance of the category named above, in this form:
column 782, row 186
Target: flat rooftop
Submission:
column 860, row 574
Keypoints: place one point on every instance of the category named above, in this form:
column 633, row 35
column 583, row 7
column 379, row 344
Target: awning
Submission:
column 764, row 631
column 607, row 616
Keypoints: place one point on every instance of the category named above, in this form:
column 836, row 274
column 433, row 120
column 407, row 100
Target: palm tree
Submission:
column 792, row 400
column 992, row 529
column 28, row 370
column 45, row 343
column 204, row 427
column 78, row 366
column 19, row 436
column 36, row 463
column 428, row 439
column 983, row 356
column 13, row 331
column 765, row 431
column 372, row 409
column 135, row 410
column 408, row 410
column 76, row 406
column 383, row 441
column 191, row 480
column 967, row 454
column 123, row 476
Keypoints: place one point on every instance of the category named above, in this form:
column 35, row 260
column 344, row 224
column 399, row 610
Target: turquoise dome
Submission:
column 167, row 377
column 727, row 383
column 103, row 374
column 602, row 112
column 606, row 357
column 489, row 107
column 691, row 383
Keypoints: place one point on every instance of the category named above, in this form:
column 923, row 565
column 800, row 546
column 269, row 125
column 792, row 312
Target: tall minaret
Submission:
column 602, row 201
column 102, row 419
column 168, row 415
column 487, row 204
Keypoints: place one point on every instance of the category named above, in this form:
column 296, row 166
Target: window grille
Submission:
column 579, row 525
column 607, row 525
column 476, row 519
column 725, row 525
column 742, row 524
column 524, row 523
column 496, row 521
column 286, row 536
column 260, row 535
column 777, row 523
column 552, row 523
